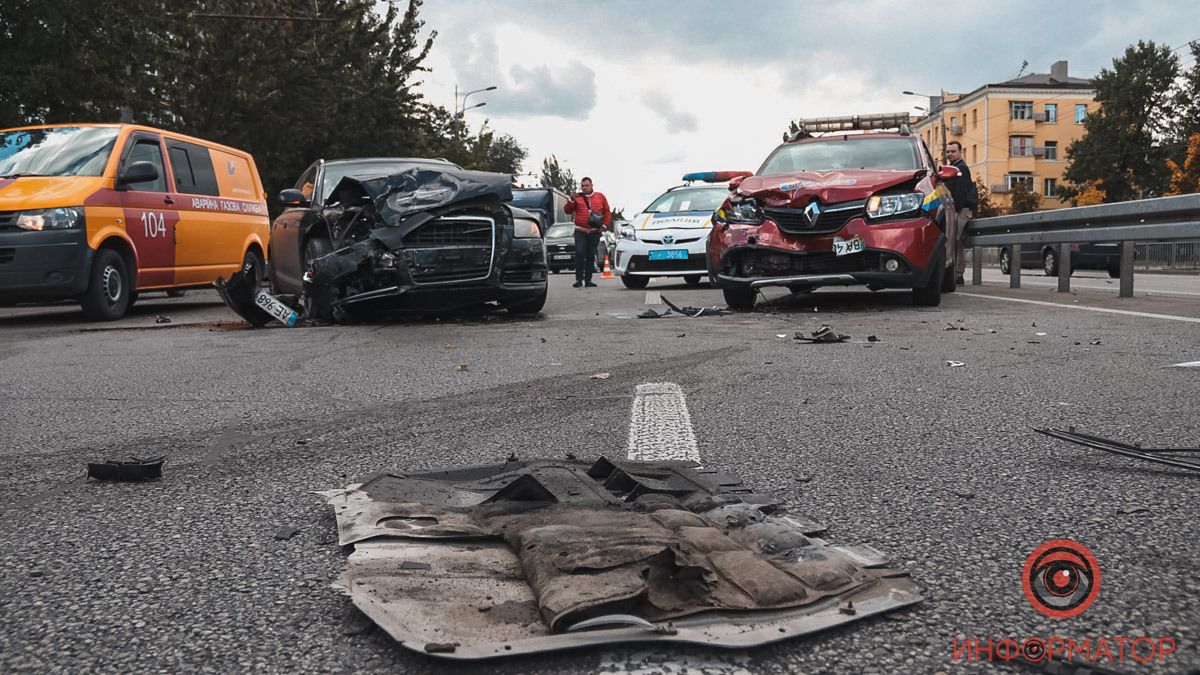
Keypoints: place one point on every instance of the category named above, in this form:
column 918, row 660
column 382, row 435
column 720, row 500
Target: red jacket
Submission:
column 577, row 206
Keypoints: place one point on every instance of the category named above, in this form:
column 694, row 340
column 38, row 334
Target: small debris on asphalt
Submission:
column 410, row 565
column 36, row 573
column 823, row 334
column 542, row 340
column 136, row 469
column 1129, row 510
column 601, row 376
column 162, row 319
column 682, row 335
column 780, row 335
column 285, row 533
column 873, row 338
column 992, row 331
column 965, row 494
column 451, row 346
column 951, row 326
column 463, row 366
column 440, row 647
column 955, row 364
column 1167, row 456
column 1094, row 342
column 1040, row 334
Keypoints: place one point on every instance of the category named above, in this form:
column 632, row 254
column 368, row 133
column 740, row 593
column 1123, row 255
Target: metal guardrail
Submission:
column 1144, row 220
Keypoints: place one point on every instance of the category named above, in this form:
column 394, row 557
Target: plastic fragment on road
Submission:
column 134, row 469
column 823, row 334
column 162, row 318
column 601, row 376
column 955, row 364
column 542, row 555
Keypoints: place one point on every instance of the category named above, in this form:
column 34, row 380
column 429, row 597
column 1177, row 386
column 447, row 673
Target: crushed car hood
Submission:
column 402, row 194
column 829, row 188
column 523, row 557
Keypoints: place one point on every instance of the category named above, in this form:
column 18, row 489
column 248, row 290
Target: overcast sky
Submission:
column 637, row 93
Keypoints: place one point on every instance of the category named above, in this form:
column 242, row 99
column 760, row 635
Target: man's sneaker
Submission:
column 590, row 285
column 577, row 284
column 960, row 281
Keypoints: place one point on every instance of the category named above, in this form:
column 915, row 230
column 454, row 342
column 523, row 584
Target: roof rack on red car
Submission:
column 873, row 122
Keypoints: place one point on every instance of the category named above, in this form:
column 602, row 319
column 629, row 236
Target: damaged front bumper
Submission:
column 487, row 561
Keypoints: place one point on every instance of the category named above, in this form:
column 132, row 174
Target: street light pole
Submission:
column 460, row 109
column 941, row 110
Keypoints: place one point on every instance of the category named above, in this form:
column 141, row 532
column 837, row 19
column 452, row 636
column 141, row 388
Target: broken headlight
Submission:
column 51, row 219
column 884, row 206
column 744, row 212
column 526, row 229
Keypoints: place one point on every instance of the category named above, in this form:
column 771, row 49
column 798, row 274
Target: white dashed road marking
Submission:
column 660, row 427
column 1189, row 364
column 1125, row 312
column 645, row 662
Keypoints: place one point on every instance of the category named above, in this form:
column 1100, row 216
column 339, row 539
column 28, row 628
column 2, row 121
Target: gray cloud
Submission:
column 677, row 120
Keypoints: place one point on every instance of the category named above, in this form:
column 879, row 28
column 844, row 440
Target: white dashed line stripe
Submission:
column 644, row 662
column 660, row 427
column 1125, row 312
column 1189, row 364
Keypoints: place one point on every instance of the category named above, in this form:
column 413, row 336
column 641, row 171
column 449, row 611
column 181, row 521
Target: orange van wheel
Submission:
column 109, row 289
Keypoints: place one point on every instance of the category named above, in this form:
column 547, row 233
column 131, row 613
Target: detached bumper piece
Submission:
column 524, row 557
column 133, row 470
column 1165, row 456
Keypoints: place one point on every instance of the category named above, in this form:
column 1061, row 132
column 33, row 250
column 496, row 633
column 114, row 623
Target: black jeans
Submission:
column 585, row 254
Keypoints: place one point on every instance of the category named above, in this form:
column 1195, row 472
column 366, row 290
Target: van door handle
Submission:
column 168, row 201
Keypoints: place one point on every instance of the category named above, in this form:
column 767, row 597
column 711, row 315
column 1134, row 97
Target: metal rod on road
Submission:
column 1014, row 266
column 1127, row 252
column 1064, row 268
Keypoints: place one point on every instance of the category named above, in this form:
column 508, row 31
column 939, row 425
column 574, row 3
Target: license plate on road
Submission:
column 848, row 246
column 670, row 254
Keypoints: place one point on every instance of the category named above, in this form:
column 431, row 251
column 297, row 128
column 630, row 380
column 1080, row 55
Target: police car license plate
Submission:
column 670, row 254
column 848, row 246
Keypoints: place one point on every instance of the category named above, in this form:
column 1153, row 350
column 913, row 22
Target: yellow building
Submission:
column 1013, row 131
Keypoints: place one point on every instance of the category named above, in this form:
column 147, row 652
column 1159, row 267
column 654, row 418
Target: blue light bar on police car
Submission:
column 714, row 176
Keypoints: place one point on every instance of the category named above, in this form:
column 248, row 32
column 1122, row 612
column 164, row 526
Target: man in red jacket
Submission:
column 592, row 215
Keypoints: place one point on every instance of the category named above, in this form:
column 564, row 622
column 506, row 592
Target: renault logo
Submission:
column 668, row 239
column 812, row 212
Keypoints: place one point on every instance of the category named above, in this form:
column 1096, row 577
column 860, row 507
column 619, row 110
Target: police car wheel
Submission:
column 107, row 296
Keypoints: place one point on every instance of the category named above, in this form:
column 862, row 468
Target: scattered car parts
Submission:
column 823, row 334
column 533, row 556
column 135, row 469
column 1157, row 455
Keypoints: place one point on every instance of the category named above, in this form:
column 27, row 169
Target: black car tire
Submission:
column 1050, row 263
column 692, row 279
column 930, row 295
column 109, row 288
column 1114, row 273
column 740, row 298
column 948, row 285
column 1005, row 261
column 635, row 283
column 532, row 306
column 315, row 247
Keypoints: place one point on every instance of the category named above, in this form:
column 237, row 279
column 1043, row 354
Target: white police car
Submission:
column 668, row 238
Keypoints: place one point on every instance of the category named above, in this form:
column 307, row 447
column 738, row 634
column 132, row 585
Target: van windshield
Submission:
column 58, row 151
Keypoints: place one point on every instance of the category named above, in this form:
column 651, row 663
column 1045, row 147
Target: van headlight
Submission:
column 65, row 218
column 883, row 206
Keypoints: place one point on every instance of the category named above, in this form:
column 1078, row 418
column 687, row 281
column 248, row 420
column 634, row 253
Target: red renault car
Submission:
column 839, row 209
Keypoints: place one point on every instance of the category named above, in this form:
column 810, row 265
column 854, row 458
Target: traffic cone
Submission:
column 607, row 273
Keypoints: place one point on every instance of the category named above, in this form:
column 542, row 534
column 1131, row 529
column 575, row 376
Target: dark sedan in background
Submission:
column 1105, row 256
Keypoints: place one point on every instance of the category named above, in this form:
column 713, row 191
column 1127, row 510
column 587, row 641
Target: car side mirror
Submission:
column 293, row 198
column 947, row 172
column 735, row 182
column 137, row 172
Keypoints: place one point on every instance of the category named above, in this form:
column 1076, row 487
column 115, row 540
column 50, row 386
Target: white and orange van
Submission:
column 101, row 212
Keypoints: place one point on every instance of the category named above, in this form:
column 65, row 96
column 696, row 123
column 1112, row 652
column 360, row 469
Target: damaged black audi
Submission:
column 364, row 237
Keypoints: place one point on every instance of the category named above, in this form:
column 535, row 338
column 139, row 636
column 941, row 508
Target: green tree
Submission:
column 1187, row 102
column 556, row 176
column 1022, row 198
column 986, row 207
column 1119, row 151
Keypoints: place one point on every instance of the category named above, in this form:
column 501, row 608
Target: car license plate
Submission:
column 670, row 254
column 562, row 256
column 848, row 246
column 278, row 311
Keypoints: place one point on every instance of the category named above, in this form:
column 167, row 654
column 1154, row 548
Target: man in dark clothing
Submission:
column 591, row 215
column 966, row 200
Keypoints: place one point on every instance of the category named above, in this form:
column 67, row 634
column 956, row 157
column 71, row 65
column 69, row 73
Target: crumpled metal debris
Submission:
column 691, row 312
column 135, row 469
column 551, row 554
column 1166, row 456
column 822, row 334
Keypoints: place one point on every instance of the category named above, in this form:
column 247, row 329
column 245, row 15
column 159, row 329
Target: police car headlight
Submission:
column 744, row 212
column 526, row 229
column 883, row 206
column 51, row 219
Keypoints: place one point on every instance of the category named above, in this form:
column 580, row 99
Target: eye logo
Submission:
column 1061, row 578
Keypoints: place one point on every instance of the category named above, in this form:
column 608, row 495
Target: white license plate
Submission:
column 279, row 311
column 848, row 246
column 562, row 256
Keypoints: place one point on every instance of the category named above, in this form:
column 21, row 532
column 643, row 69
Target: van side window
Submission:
column 147, row 150
column 193, row 169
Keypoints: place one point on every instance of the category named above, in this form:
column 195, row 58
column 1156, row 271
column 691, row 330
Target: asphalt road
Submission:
column 936, row 465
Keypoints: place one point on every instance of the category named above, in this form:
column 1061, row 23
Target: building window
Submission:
column 1080, row 113
column 1020, row 110
column 1013, row 178
column 1020, row 146
column 1051, row 113
column 1051, row 150
column 974, row 157
column 975, row 118
column 1051, row 187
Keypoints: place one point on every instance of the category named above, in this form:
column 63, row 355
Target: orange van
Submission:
column 101, row 212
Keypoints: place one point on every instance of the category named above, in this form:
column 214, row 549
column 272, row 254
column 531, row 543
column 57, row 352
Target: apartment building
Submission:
column 1014, row 131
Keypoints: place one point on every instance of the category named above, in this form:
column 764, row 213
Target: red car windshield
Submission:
column 842, row 153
